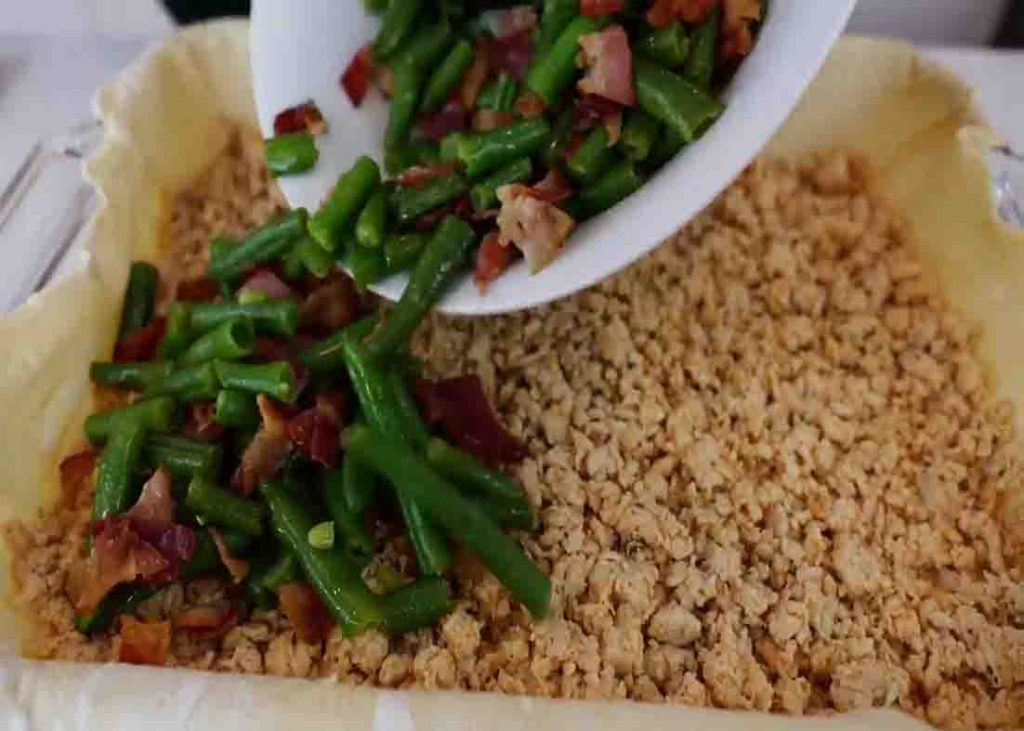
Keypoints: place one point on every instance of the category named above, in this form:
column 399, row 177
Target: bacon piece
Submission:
column 355, row 80
column 474, row 78
column 197, row 290
column 419, row 175
column 609, row 63
column 330, row 306
column 513, row 21
column 143, row 643
column 536, row 227
column 460, row 407
column 591, row 110
column 529, row 105
column 308, row 615
column 267, row 450
column 119, row 555
column 553, row 187
column 275, row 349
column 305, row 117
column 207, row 621
column 601, row 8
column 663, row 12
column 334, row 404
column 613, row 126
column 76, row 472
column 512, row 54
column 491, row 260
column 484, row 120
column 200, row 422
column 315, row 433
column 266, row 281
column 438, row 125
column 155, row 505
column 238, row 568
column 738, row 19
column 140, row 344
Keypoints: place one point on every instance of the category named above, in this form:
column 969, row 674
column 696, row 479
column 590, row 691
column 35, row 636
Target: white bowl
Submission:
column 300, row 48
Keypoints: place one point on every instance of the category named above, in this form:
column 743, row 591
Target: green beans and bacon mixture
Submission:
column 270, row 429
column 523, row 121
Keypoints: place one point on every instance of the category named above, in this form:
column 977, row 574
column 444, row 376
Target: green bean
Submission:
column 139, row 296
column 666, row 146
column 411, row 202
column 422, row 152
column 449, row 149
column 620, row 181
column 348, row 522
column 324, row 356
column 554, row 151
column 315, row 258
column 668, row 46
column 375, row 7
column 415, row 430
column 424, row 48
column 412, row 475
column 274, row 379
column 700, row 64
column 367, row 266
column 122, row 599
column 447, row 75
column 335, row 576
column 206, row 558
column 156, row 414
column 284, row 570
column 373, row 220
column 132, row 376
column 509, row 515
column 500, row 94
column 552, row 72
column 638, row 135
column 180, row 456
column 592, row 157
column 484, row 194
column 256, row 595
column 337, row 214
column 405, row 95
column 292, row 267
column 236, row 409
column 443, row 257
column 466, row 470
column 673, row 100
column 177, row 330
column 395, row 26
column 402, row 250
column 113, row 493
column 417, row 605
column 359, row 486
column 191, row 383
column 217, row 506
column 290, row 154
column 266, row 243
column 555, row 16
column 485, row 152
column 272, row 317
column 233, row 340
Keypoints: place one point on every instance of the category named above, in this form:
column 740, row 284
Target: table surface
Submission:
column 46, row 84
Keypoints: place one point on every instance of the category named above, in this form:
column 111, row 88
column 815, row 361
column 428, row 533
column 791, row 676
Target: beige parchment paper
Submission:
column 164, row 121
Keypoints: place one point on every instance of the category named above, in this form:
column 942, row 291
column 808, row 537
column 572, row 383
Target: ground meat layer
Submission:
column 768, row 472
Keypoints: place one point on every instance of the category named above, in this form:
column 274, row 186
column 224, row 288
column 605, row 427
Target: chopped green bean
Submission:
column 592, row 157
column 417, row 605
column 156, row 414
column 499, row 95
column 447, row 75
column 485, row 152
column 371, row 225
column 290, row 154
column 282, row 571
column 132, row 376
column 113, row 493
column 233, row 340
column 402, row 250
column 266, row 243
column 177, row 330
column 412, row 202
column 220, row 507
column 180, row 456
column 673, row 100
column 122, row 599
column 191, row 383
column 700, row 64
column 367, row 266
column 348, row 522
column 405, row 96
column 484, row 194
column 396, row 25
column 620, row 181
column 272, row 317
column 331, row 222
column 315, row 258
column 555, row 16
column 465, row 469
column 274, row 379
column 668, row 46
column 236, row 409
column 140, row 294
column 639, row 134
column 553, row 71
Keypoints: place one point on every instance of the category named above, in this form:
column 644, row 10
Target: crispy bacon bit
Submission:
column 275, row 349
column 308, row 615
column 613, row 126
column 484, row 120
column 140, row 344
column 207, row 621
column 237, row 567
column 491, row 260
column 356, row 78
column 175, row 542
column 609, row 65
column 329, row 307
column 144, row 643
column 334, row 404
column 474, row 78
column 305, row 117
column 738, row 19
column 529, row 105
column 266, row 281
column 438, row 125
column 663, row 12
column 601, row 8
column 75, row 475
column 315, row 433
column 512, row 54
column 537, row 228
column 267, row 450
column 384, row 80
column 592, row 110
column 514, row 20
column 119, row 555
column 197, row 290
column 460, row 406
column 553, row 187
column 155, row 505
column 200, row 422
column 419, row 175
